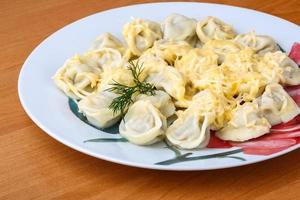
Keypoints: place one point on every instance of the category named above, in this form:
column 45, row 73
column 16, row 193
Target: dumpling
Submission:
column 190, row 91
column 206, row 111
column 242, row 61
column 96, row 109
column 106, row 58
column 278, row 67
column 189, row 131
column 169, row 50
column 213, row 105
column 247, row 122
column 277, row 106
column 222, row 48
column 141, row 34
column 195, row 62
column 218, row 80
column 143, row 124
column 260, row 43
column 213, row 28
column 249, row 83
column 150, row 63
column 179, row 27
column 78, row 78
column 120, row 75
column 170, row 80
column 107, row 40
column 161, row 100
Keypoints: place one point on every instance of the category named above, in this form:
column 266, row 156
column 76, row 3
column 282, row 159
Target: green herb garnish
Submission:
column 122, row 102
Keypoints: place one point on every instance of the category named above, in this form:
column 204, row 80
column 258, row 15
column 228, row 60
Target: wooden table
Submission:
column 35, row 166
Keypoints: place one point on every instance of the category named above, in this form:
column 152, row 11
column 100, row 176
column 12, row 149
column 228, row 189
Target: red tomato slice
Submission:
column 293, row 91
column 263, row 152
column 215, row 142
column 286, row 129
column 264, row 146
column 261, row 143
column 295, row 53
column 292, row 88
column 289, row 124
column 282, row 135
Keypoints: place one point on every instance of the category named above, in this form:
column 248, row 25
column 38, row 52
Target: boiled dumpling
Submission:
column 143, row 124
column 106, row 58
column 179, row 27
column 150, row 63
column 222, row 48
column 250, row 86
column 196, row 62
column 278, row 67
column 189, row 131
column 120, row 75
column 260, row 43
column 96, row 109
column 77, row 78
column 170, row 80
column 213, row 105
column 170, row 50
column 141, row 34
column 107, row 40
column 213, row 28
column 247, row 122
column 277, row 106
column 241, row 67
column 241, row 61
column 161, row 100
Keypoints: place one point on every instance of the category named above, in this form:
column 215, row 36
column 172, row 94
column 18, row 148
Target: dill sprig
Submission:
column 122, row 102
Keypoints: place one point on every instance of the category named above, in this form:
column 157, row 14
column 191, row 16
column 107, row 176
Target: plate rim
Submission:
column 128, row 162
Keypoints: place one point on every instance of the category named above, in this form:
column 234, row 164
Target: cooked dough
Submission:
column 278, row 67
column 96, row 109
column 222, row 48
column 247, row 123
column 189, row 131
column 170, row 50
column 213, row 28
column 77, row 78
column 162, row 101
column 143, row 124
column 141, row 34
column 277, row 106
column 260, row 43
column 170, row 80
column 180, row 28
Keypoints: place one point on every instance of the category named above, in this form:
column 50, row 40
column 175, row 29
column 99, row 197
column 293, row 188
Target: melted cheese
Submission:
column 225, row 84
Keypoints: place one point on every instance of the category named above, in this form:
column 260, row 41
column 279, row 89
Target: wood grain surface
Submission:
column 35, row 166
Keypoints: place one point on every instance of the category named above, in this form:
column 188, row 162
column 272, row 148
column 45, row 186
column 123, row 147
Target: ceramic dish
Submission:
column 58, row 116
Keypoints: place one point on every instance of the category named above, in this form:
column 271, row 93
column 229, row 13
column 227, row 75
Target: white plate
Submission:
column 48, row 107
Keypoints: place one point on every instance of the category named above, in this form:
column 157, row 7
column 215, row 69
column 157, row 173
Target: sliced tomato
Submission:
column 295, row 53
column 293, row 91
column 215, row 142
column 263, row 152
column 261, row 143
column 292, row 88
column 287, row 129
column 290, row 124
column 296, row 98
column 263, row 146
column 283, row 135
